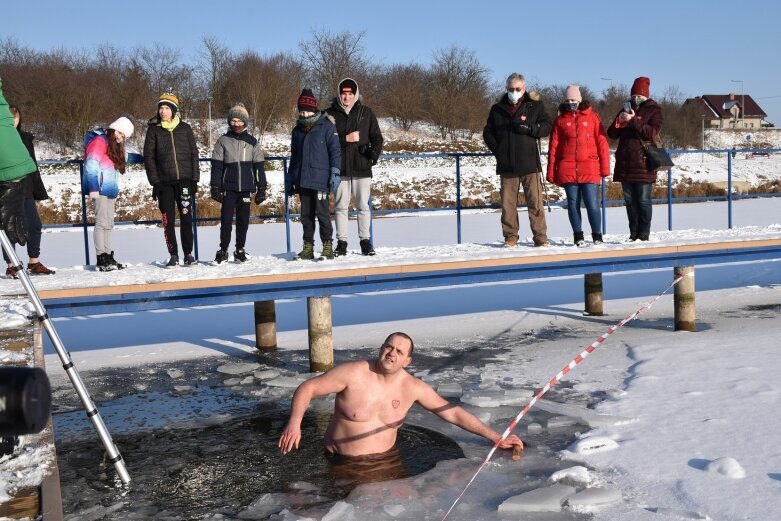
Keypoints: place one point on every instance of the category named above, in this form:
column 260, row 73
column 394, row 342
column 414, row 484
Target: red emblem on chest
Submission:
column 523, row 117
column 395, row 404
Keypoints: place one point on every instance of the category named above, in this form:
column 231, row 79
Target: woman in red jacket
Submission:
column 578, row 159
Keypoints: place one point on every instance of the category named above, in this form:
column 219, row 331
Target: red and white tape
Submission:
column 569, row 367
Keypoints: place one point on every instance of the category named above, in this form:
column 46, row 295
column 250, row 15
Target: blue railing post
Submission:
column 729, row 191
column 287, row 204
column 669, row 199
column 458, row 197
column 84, row 213
column 195, row 224
column 604, row 206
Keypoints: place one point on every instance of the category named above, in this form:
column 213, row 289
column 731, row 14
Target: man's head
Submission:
column 396, row 352
column 307, row 103
column 238, row 118
column 515, row 86
column 348, row 92
column 167, row 106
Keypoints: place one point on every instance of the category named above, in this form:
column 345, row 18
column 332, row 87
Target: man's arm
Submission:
column 333, row 381
column 430, row 400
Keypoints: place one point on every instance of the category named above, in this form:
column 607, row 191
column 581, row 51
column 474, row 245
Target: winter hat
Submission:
column 307, row 101
column 641, row 87
column 124, row 125
column 573, row 92
column 239, row 111
column 170, row 99
column 348, row 84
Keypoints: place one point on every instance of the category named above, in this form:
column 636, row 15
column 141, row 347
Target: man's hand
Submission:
column 216, row 194
column 291, row 436
column 260, row 195
column 522, row 128
column 94, row 195
column 352, row 137
column 155, row 191
column 511, row 441
column 12, row 211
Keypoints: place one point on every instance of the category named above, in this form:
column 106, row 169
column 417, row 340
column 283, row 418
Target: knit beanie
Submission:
column 170, row 99
column 348, row 84
column 641, row 87
column 124, row 125
column 307, row 101
column 239, row 111
column 573, row 92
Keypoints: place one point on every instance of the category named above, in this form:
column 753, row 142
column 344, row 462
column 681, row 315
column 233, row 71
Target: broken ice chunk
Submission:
column 546, row 499
column 592, row 445
column 727, row 467
column 557, row 422
column 485, row 398
column 577, row 475
column 237, row 369
column 450, row 390
column 341, row 511
column 266, row 374
column 593, row 497
column 175, row 373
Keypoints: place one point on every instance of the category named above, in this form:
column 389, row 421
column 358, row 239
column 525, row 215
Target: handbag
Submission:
column 656, row 157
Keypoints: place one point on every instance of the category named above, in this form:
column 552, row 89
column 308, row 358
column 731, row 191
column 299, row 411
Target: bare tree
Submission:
column 402, row 88
column 214, row 62
column 331, row 57
column 160, row 65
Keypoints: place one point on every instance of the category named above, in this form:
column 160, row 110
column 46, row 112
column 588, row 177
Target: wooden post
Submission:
column 265, row 325
column 321, row 342
column 592, row 285
column 683, row 300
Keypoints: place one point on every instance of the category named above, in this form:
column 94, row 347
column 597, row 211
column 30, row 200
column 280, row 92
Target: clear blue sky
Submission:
column 696, row 46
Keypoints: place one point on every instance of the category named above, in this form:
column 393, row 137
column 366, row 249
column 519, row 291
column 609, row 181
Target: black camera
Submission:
column 365, row 151
column 25, row 400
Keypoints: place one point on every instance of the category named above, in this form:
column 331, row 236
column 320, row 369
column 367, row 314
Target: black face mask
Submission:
column 571, row 106
column 635, row 102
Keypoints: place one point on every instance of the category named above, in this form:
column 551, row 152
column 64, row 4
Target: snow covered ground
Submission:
column 686, row 424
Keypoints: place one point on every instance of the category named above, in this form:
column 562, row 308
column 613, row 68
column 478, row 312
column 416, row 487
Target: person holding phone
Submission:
column 640, row 120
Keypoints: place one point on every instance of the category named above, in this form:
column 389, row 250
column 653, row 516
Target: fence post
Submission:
column 669, row 199
column 321, row 342
column 729, row 191
column 604, row 206
column 592, row 285
column 84, row 213
column 683, row 300
column 265, row 325
column 195, row 222
column 287, row 205
column 458, row 197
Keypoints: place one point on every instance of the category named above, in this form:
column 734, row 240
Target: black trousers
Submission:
column 169, row 199
column 315, row 204
column 238, row 203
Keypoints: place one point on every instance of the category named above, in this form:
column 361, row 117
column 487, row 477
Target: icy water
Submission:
column 203, row 445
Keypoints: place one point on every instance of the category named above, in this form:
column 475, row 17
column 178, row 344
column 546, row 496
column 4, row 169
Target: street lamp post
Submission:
column 742, row 102
column 209, row 122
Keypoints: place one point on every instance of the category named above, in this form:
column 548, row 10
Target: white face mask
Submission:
column 514, row 96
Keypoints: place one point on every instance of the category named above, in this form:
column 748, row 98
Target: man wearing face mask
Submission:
column 515, row 124
column 641, row 122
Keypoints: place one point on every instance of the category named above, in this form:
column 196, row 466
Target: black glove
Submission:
column 155, row 192
column 216, row 194
column 12, row 211
column 260, row 195
column 522, row 128
column 289, row 190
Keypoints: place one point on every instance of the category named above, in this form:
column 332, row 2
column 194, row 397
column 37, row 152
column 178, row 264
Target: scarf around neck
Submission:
column 170, row 125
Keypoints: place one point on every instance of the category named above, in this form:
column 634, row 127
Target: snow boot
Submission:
column 341, row 248
column 579, row 240
column 597, row 238
column 112, row 262
column 328, row 250
column 240, row 255
column 222, row 256
column 366, row 247
column 308, row 252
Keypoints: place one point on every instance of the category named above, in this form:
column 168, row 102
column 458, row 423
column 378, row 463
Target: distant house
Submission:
column 727, row 111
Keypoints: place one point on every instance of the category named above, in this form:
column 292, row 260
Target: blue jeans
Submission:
column 587, row 193
column 637, row 197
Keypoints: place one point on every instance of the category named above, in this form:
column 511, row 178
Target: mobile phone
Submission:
column 628, row 107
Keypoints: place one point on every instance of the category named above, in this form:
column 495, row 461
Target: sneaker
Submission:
column 222, row 256
column 597, row 238
column 308, row 252
column 189, row 260
column 579, row 240
column 10, row 272
column 240, row 255
column 328, row 250
column 366, row 247
column 341, row 249
column 37, row 268
column 172, row 262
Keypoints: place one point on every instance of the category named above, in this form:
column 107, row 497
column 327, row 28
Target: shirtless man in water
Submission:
column 372, row 400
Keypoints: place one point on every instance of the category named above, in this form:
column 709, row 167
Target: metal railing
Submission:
column 458, row 208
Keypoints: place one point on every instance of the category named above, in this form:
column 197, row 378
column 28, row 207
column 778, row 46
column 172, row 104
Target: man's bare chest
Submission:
column 368, row 403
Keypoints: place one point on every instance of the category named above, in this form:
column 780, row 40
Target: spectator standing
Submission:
column 515, row 125
column 578, row 159
column 237, row 173
column 34, row 191
column 641, row 121
column 360, row 141
column 104, row 159
column 171, row 160
column 313, row 172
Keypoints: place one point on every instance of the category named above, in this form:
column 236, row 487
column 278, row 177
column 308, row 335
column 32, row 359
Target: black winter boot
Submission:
column 597, row 238
column 366, row 247
column 579, row 240
column 240, row 255
column 341, row 248
column 114, row 263
column 222, row 256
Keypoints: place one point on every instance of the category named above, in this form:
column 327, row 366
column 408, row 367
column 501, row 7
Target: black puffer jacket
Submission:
column 34, row 184
column 357, row 158
column 171, row 157
column 516, row 153
column 630, row 154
